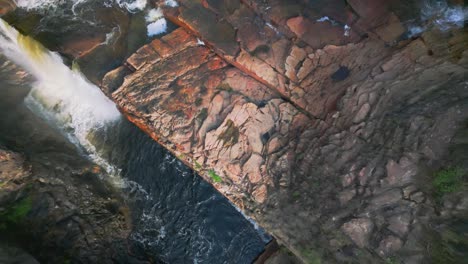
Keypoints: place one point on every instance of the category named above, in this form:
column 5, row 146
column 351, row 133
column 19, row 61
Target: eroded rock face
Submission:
column 319, row 138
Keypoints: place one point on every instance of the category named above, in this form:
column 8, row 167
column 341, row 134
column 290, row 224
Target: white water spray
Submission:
column 65, row 96
column 439, row 14
column 130, row 5
column 157, row 24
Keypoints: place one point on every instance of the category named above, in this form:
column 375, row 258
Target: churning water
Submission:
column 59, row 94
column 177, row 217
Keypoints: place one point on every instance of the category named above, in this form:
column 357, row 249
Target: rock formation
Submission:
column 318, row 119
column 325, row 121
column 53, row 204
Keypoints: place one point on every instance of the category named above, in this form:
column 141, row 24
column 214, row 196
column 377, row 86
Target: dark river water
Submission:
column 177, row 217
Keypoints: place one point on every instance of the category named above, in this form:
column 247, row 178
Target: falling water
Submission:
column 59, row 94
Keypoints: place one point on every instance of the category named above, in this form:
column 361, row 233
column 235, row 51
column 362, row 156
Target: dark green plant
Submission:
column 198, row 101
column 448, row 244
column 16, row 213
column 296, row 195
column 447, row 180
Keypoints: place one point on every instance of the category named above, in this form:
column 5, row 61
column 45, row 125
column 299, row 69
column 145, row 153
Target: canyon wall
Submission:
column 318, row 120
column 322, row 120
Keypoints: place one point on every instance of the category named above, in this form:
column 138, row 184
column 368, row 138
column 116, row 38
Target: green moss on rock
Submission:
column 447, row 180
column 215, row 177
column 16, row 213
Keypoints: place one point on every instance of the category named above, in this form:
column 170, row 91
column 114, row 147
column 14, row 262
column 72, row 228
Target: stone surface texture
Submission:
column 316, row 130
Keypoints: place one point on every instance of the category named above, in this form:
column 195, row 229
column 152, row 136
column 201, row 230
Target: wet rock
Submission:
column 462, row 204
column 11, row 255
column 55, row 220
column 113, row 79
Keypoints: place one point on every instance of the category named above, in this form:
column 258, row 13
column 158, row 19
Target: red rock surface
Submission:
column 316, row 136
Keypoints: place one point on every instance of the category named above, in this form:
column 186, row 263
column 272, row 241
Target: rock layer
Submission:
column 322, row 137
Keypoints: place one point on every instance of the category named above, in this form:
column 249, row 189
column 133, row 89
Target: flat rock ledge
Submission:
column 322, row 133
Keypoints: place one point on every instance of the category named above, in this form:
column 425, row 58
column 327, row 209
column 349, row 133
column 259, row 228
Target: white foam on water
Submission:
column 157, row 24
column 171, row 3
column 347, row 30
column 35, row 4
column 76, row 3
column 157, row 27
column 153, row 15
column 200, row 42
column 130, row 5
column 77, row 106
column 439, row 14
column 323, row 19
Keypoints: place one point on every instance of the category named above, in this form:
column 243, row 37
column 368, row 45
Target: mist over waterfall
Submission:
column 66, row 96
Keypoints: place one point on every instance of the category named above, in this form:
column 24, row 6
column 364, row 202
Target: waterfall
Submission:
column 59, row 94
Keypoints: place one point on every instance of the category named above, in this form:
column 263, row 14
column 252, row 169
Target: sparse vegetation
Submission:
column 215, row 177
column 296, row 195
column 197, row 165
column 447, row 180
column 447, row 247
column 16, row 213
